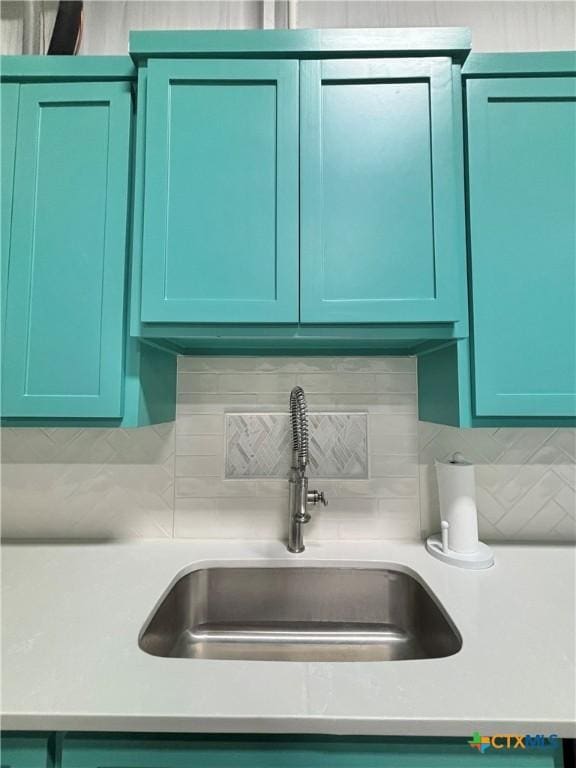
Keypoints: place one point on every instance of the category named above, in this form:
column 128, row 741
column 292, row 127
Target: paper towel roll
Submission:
column 457, row 494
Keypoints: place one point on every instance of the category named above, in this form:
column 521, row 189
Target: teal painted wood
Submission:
column 149, row 373
column 380, row 241
column 70, row 68
column 150, row 385
column 64, row 348
column 149, row 393
column 460, row 266
column 542, row 64
column 445, row 392
column 302, row 43
column 9, row 95
column 221, row 192
column 137, row 231
column 522, row 200
column 410, row 333
column 444, row 386
column 231, row 751
column 26, row 750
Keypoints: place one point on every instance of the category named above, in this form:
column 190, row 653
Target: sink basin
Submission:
column 300, row 614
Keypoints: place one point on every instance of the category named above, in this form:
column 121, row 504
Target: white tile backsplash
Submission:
column 92, row 483
column 169, row 480
column 525, row 480
column 331, row 384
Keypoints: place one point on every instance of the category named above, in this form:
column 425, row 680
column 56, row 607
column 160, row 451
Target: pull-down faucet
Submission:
column 300, row 496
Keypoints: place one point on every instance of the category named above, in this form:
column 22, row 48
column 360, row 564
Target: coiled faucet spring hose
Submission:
column 299, row 420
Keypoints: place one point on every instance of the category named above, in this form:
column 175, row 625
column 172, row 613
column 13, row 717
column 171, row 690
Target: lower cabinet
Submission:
column 264, row 751
column 27, row 750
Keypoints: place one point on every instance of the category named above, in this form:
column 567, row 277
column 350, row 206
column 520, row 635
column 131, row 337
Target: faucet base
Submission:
column 296, row 550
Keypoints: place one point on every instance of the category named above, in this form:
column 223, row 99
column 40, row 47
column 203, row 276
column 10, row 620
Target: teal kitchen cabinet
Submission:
column 221, row 192
column 520, row 364
column 282, row 185
column 230, row 751
column 27, row 750
column 65, row 238
column 380, row 185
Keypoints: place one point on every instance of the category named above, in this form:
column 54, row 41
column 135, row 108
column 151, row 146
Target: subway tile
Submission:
column 395, row 382
column 373, row 403
column 529, row 505
column 568, row 473
column 566, row 498
column 377, row 364
column 338, row 383
column 200, row 424
column 545, row 520
column 192, row 402
column 252, row 364
column 223, row 518
column 389, row 465
column 566, row 529
column 86, row 500
column 256, row 383
column 566, row 440
column 398, row 519
column 198, row 382
column 200, row 445
column 393, row 424
column 199, row 466
column 213, row 487
column 382, row 442
column 381, row 487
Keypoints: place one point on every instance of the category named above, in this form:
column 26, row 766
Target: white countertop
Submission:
column 72, row 613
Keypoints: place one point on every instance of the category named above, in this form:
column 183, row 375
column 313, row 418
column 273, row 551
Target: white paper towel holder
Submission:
column 438, row 545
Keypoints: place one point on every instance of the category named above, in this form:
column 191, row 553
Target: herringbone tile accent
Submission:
column 526, row 480
column 88, row 483
column 260, row 445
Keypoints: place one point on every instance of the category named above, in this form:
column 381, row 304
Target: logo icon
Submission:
column 513, row 741
column 481, row 743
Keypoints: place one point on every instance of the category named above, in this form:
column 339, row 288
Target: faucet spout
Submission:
column 299, row 496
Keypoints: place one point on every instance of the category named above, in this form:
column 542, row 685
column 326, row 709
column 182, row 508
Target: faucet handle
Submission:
column 315, row 497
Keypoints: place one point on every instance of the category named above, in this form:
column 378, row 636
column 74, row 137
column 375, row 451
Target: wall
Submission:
column 496, row 26
column 162, row 482
column 169, row 480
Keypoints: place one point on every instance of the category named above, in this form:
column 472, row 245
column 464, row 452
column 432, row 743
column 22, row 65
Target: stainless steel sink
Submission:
column 300, row 614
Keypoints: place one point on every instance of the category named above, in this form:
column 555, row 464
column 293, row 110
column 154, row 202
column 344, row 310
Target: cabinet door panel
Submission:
column 522, row 156
column 65, row 310
column 221, row 200
column 292, row 751
column 378, row 195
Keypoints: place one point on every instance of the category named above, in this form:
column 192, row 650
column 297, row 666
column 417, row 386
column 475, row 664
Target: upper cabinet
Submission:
column 380, row 179
column 519, row 366
column 284, row 183
column 289, row 191
column 67, row 259
column 65, row 224
column 522, row 195
column 221, row 202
